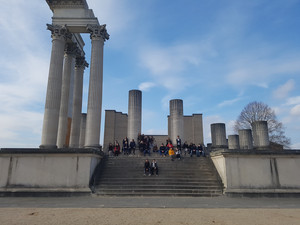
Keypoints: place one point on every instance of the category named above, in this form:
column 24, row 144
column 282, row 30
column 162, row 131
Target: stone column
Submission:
column 233, row 142
column 218, row 135
column 260, row 134
column 93, row 120
column 176, row 120
column 69, row 64
column 77, row 101
column 134, row 114
column 245, row 139
column 82, row 130
column 53, row 95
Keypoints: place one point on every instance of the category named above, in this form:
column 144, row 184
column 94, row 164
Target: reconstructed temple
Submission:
column 63, row 122
column 245, row 164
column 119, row 125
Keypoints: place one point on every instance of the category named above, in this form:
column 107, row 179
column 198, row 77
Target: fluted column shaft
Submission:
column 82, row 130
column 134, row 114
column 69, row 64
column 77, row 102
column 53, row 95
column 93, row 120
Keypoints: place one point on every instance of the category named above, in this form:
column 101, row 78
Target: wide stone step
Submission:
column 158, row 186
column 124, row 176
column 157, row 190
column 156, row 194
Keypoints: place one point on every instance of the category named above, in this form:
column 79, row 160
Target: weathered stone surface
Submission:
column 260, row 134
column 176, row 119
column 134, row 114
column 218, row 135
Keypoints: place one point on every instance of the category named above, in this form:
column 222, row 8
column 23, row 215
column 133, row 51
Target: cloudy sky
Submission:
column 215, row 55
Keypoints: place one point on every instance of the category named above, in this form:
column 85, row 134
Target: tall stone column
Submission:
column 77, row 101
column 93, row 120
column 82, row 130
column 260, row 134
column 69, row 64
column 245, row 139
column 218, row 135
column 134, row 114
column 176, row 119
column 53, row 95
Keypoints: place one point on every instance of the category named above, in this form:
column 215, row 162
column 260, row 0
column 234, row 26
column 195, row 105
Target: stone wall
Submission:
column 115, row 128
column 193, row 129
column 47, row 171
column 258, row 172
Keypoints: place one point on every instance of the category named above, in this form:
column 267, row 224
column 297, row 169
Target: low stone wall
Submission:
column 45, row 172
column 258, row 173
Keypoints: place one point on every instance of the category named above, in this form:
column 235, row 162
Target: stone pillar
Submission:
column 218, row 135
column 77, row 101
column 233, row 142
column 69, row 64
column 260, row 134
column 245, row 139
column 176, row 120
column 53, row 95
column 134, row 114
column 93, row 120
column 82, row 130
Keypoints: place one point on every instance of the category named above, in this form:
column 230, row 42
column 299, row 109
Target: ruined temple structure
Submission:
column 119, row 125
column 63, row 122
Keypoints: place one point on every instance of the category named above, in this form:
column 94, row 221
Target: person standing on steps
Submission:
column 154, row 167
column 178, row 143
column 132, row 146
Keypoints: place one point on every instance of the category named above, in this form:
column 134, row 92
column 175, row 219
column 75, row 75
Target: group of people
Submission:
column 147, row 144
column 127, row 147
column 176, row 152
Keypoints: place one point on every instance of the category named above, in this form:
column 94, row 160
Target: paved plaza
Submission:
column 150, row 210
column 148, row 202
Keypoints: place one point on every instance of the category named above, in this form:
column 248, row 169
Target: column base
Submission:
column 48, row 147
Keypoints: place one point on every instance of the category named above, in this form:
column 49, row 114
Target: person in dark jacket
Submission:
column 147, row 168
column 132, row 146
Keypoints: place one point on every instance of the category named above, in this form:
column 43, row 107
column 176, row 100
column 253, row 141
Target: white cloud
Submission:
column 24, row 64
column 168, row 65
column 228, row 102
column 295, row 111
column 293, row 100
column 146, row 86
column 284, row 90
column 250, row 71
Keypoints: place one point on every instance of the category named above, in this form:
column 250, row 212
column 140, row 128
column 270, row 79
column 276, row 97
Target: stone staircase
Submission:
column 124, row 176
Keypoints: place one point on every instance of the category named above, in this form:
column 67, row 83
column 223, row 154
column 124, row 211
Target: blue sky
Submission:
column 215, row 55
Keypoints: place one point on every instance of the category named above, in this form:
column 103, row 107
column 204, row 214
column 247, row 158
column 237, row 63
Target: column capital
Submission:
column 72, row 49
column 58, row 32
column 81, row 63
column 98, row 31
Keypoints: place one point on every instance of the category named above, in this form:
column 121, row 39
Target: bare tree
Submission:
column 259, row 111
